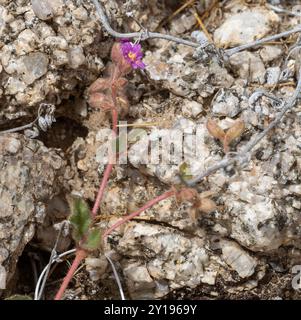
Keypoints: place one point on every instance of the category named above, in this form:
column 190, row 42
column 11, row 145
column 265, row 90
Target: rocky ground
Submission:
column 51, row 51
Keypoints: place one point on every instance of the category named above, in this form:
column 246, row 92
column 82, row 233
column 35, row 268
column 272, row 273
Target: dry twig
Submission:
column 245, row 154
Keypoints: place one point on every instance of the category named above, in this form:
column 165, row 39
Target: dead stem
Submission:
column 201, row 24
column 245, row 154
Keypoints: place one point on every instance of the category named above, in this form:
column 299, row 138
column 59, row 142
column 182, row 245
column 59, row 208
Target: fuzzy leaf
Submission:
column 234, row 132
column 80, row 218
column 19, row 297
column 99, row 85
column 93, row 240
column 215, row 130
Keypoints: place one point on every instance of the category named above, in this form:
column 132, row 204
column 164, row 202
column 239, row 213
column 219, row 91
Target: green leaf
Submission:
column 80, row 218
column 19, row 297
column 93, row 240
column 185, row 172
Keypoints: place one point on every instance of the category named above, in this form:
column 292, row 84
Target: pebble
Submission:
column 191, row 108
column 226, row 104
column 3, row 276
column 14, row 86
column 272, row 75
column 269, row 53
column 248, row 66
column 42, row 9
column 33, row 66
column 13, row 146
column 238, row 259
column 244, row 27
column 76, row 57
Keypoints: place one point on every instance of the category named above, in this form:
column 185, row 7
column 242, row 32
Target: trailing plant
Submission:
column 109, row 94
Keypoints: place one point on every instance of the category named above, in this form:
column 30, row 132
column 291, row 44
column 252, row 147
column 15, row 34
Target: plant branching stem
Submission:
column 136, row 213
column 101, row 190
column 80, row 253
column 244, row 154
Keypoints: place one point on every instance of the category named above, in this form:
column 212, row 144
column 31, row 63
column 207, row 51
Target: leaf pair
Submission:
column 84, row 234
column 101, row 97
column 226, row 137
column 201, row 201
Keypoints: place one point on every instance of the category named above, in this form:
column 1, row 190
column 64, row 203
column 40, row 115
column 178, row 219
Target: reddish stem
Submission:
column 101, row 189
column 80, row 255
column 108, row 170
column 136, row 213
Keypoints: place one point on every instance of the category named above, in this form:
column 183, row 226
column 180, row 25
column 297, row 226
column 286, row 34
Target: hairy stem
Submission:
column 101, row 190
column 108, row 169
column 80, row 255
column 136, row 213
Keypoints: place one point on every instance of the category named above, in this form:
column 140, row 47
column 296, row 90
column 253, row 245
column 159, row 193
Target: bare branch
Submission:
column 52, row 258
column 245, row 154
column 44, row 119
column 144, row 35
column 281, row 10
column 232, row 51
column 118, row 281
column 55, row 259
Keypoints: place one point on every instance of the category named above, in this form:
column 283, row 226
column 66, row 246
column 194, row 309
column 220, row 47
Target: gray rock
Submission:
column 195, row 151
column 140, row 283
column 173, row 259
column 273, row 75
column 248, row 66
column 33, row 67
column 191, row 109
column 226, row 104
column 34, row 52
column 42, row 9
column 76, row 57
column 270, row 53
column 29, row 177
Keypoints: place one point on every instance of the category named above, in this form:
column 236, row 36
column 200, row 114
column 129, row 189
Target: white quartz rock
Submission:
column 33, row 66
column 238, row 259
column 42, row 9
column 245, row 27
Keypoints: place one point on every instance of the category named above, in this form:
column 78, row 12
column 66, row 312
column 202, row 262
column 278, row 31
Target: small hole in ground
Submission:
column 63, row 133
column 29, row 267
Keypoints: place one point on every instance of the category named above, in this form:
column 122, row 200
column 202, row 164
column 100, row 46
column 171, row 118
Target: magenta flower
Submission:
column 132, row 54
